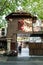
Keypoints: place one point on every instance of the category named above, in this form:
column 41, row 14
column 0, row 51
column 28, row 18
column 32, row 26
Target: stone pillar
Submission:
column 8, row 45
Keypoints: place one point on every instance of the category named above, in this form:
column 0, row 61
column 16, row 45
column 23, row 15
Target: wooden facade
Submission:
column 3, row 44
column 12, row 31
column 36, row 48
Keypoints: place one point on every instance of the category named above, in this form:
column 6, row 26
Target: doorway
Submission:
column 24, row 52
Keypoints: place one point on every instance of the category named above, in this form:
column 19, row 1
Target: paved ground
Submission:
column 22, row 63
column 21, row 60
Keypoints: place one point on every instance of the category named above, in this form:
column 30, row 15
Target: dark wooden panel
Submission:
column 36, row 48
column 13, row 47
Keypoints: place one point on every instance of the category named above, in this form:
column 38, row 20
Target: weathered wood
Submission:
column 36, row 48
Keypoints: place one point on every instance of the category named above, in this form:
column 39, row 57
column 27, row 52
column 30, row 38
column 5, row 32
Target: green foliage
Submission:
column 32, row 6
column 3, row 22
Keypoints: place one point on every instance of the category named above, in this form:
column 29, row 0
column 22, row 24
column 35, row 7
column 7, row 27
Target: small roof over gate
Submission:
column 19, row 14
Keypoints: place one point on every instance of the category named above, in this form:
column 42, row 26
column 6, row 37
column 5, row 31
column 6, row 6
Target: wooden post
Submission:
column 8, row 45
